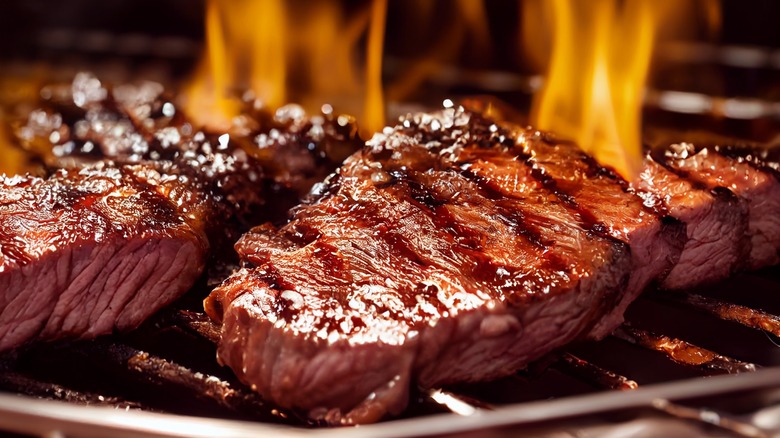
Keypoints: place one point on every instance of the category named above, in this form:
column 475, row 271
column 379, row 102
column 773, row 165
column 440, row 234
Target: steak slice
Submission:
column 656, row 238
column 86, row 252
column 131, row 156
column 758, row 185
column 286, row 151
column 256, row 172
column 435, row 255
column 716, row 219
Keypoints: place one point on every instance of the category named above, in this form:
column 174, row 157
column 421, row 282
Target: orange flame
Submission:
column 12, row 159
column 600, row 57
column 593, row 93
column 373, row 109
column 254, row 45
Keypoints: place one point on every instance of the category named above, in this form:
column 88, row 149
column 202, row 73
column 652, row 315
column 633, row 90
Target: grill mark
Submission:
column 162, row 206
column 586, row 223
column 431, row 205
column 659, row 156
column 503, row 141
column 593, row 171
column 514, row 219
column 594, row 226
column 485, row 267
column 435, row 209
column 569, row 201
column 302, row 232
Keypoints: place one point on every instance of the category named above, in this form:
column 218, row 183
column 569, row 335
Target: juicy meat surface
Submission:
column 86, row 252
column 142, row 202
column 453, row 248
column 445, row 251
column 656, row 238
column 257, row 170
column 758, row 187
column 716, row 219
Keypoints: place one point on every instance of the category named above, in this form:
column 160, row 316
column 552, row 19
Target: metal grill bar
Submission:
column 20, row 383
column 457, row 404
column 709, row 416
column 166, row 373
column 589, row 372
column 197, row 323
column 682, row 352
column 744, row 315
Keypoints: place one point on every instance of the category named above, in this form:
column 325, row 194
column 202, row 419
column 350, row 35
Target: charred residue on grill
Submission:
column 163, row 371
column 588, row 371
column 681, row 351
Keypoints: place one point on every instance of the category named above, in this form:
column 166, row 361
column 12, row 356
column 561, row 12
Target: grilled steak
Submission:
column 281, row 154
column 85, row 252
column 758, row 186
column 716, row 219
column 656, row 239
column 450, row 249
column 142, row 202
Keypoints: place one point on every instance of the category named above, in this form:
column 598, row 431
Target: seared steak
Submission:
column 449, row 249
column 716, row 219
column 758, row 185
column 143, row 200
column 656, row 239
column 85, row 252
column 266, row 159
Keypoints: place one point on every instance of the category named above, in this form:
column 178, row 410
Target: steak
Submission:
column 141, row 202
column 757, row 185
column 450, row 249
column 267, row 160
column 656, row 238
column 716, row 219
column 85, row 252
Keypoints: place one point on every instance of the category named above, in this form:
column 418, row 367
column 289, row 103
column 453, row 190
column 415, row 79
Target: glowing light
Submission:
column 252, row 45
column 593, row 94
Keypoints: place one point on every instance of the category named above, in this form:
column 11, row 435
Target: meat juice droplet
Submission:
column 294, row 298
column 380, row 177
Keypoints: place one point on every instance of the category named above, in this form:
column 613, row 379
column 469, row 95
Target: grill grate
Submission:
column 168, row 365
column 669, row 344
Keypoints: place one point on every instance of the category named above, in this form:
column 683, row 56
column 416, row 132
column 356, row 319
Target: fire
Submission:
column 322, row 52
column 253, row 45
column 601, row 52
column 12, row 159
column 246, row 31
column 373, row 110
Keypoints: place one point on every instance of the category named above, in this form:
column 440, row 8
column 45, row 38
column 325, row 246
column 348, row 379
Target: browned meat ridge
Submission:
column 142, row 202
column 450, row 249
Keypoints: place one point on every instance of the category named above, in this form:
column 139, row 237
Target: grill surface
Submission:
column 668, row 344
column 683, row 364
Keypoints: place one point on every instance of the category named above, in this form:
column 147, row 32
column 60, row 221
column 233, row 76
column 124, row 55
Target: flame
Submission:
column 373, row 113
column 593, row 92
column 12, row 159
column 255, row 45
